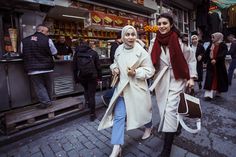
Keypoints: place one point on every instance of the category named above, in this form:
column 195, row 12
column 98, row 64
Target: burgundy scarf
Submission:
column 178, row 62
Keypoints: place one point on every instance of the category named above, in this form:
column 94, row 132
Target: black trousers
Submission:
column 89, row 92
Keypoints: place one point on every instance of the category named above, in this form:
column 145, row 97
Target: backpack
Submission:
column 86, row 66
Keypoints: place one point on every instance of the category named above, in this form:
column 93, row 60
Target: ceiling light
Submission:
column 76, row 17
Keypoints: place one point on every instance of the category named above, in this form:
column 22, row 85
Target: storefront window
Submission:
column 10, row 33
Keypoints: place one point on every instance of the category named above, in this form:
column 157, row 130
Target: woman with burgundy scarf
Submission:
column 175, row 65
column 216, row 75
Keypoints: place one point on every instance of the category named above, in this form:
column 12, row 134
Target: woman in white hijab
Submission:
column 216, row 75
column 131, row 101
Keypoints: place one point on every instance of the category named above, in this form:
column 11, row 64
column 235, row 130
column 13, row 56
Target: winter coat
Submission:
column 133, row 89
column 167, row 89
column 200, row 51
column 221, row 72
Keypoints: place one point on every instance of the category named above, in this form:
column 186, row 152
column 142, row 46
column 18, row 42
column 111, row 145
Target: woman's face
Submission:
column 194, row 40
column 213, row 39
column 130, row 37
column 164, row 25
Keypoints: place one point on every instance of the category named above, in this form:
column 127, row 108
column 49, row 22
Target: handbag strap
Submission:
column 181, row 120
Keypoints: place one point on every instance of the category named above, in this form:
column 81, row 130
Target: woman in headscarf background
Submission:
column 199, row 51
column 175, row 65
column 216, row 75
column 131, row 99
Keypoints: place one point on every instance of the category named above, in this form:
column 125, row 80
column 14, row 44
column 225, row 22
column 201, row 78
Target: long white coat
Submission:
column 134, row 89
column 167, row 89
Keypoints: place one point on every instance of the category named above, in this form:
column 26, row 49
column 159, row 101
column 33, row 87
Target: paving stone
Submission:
column 100, row 144
column 78, row 146
column 189, row 154
column 46, row 150
column 73, row 153
column 63, row 140
column 86, row 153
column 154, row 143
column 67, row 146
column 177, row 151
column 129, row 155
column 144, row 149
column 89, row 145
column 38, row 154
column 97, row 153
column 61, row 154
column 34, row 149
column 106, row 150
column 136, row 134
column 103, row 138
column 82, row 139
column 72, row 139
column 3, row 155
column 55, row 146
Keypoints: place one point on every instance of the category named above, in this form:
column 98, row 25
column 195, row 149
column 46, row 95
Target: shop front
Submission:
column 92, row 21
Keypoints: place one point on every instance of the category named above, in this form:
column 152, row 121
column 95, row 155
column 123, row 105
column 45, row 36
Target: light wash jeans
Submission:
column 118, row 129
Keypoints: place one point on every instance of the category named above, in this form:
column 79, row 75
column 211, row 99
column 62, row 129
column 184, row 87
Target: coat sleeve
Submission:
column 146, row 69
column 191, row 60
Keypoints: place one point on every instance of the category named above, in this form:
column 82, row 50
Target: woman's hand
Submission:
column 199, row 57
column 115, row 71
column 213, row 61
column 190, row 83
column 131, row 72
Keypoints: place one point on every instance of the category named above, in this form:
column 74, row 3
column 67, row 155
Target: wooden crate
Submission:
column 28, row 116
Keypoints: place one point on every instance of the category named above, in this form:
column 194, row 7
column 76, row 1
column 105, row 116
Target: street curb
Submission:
column 7, row 139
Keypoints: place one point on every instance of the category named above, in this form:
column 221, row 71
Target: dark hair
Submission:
column 41, row 25
column 118, row 35
column 171, row 20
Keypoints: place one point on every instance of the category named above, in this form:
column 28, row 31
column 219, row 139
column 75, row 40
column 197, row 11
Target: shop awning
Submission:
column 223, row 3
column 123, row 4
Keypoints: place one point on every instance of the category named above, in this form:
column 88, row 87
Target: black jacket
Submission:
column 232, row 50
column 89, row 51
column 36, row 53
column 221, row 73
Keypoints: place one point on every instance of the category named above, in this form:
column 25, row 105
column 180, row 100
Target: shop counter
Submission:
column 16, row 90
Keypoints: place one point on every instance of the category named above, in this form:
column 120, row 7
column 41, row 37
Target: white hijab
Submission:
column 123, row 32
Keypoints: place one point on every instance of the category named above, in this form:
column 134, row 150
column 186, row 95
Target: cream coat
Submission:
column 167, row 89
column 135, row 90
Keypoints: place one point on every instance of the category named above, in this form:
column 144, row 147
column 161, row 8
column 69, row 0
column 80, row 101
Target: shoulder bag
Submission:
column 189, row 106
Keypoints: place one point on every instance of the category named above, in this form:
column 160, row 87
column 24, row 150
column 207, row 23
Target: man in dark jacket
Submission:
column 38, row 50
column 232, row 52
column 63, row 48
column 87, row 71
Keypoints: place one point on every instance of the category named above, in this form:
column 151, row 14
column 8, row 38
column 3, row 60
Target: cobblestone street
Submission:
column 80, row 138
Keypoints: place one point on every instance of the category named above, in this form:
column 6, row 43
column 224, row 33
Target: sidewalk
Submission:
column 80, row 138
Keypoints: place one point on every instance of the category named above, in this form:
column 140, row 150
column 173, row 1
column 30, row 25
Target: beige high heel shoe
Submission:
column 147, row 133
column 116, row 152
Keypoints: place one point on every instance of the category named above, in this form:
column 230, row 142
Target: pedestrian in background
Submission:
column 87, row 71
column 131, row 101
column 199, row 51
column 232, row 52
column 38, row 50
column 216, row 80
column 107, row 96
column 176, row 63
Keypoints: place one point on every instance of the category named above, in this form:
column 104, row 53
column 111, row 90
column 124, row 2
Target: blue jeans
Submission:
column 108, row 95
column 232, row 66
column 118, row 129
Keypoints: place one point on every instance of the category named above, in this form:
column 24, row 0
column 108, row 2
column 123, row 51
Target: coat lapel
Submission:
column 163, row 56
